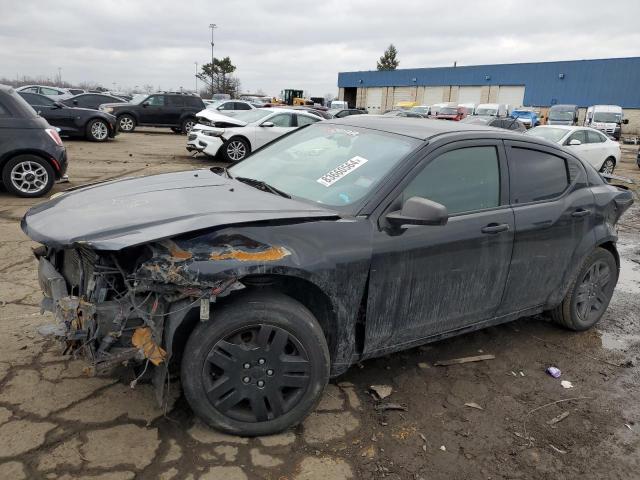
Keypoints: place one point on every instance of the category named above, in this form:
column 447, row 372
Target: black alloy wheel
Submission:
column 258, row 367
column 256, row 373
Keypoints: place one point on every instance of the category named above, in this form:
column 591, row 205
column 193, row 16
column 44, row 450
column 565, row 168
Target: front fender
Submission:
column 333, row 256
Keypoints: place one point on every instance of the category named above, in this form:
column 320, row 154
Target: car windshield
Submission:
column 561, row 114
column 486, row 111
column 521, row 113
column 420, row 109
column 607, row 117
column 327, row 164
column 250, row 116
column 551, row 134
column 448, row 111
column 138, row 98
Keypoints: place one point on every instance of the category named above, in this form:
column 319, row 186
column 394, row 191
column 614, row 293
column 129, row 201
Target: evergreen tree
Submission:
column 388, row 61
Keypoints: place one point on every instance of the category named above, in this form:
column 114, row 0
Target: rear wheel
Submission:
column 608, row 166
column 236, row 149
column 187, row 125
column 590, row 293
column 126, row 123
column 97, row 130
column 28, row 176
column 258, row 367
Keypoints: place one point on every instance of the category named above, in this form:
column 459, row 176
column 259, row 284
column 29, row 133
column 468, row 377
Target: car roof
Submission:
column 563, row 127
column 5, row 88
column 420, row 128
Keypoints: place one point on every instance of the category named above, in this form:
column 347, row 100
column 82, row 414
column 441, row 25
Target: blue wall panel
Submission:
column 613, row 81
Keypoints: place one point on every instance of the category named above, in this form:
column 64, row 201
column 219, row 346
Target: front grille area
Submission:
column 77, row 268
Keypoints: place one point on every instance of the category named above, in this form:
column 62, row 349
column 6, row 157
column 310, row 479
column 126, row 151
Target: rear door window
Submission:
column 34, row 99
column 306, row 120
column 283, row 120
column 155, row 100
column 536, row 175
column 242, row 106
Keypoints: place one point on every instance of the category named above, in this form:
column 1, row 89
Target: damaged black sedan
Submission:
column 343, row 241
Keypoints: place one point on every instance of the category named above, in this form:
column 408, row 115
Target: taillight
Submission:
column 54, row 136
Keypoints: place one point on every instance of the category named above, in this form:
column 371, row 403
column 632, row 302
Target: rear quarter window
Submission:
column 536, row 175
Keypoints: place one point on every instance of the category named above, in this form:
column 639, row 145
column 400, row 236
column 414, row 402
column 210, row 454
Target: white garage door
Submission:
column 511, row 95
column 469, row 94
column 374, row 100
column 404, row 94
column 432, row 95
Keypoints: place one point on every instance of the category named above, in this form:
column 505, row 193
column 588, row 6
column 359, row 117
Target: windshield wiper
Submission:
column 260, row 185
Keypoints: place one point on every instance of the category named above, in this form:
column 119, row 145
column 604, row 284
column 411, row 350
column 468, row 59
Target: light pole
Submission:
column 212, row 26
column 196, row 75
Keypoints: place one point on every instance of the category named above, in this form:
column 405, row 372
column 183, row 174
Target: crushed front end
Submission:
column 112, row 307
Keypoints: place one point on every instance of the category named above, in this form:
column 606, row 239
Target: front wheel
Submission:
column 258, row 367
column 608, row 166
column 97, row 130
column 235, row 150
column 589, row 294
column 126, row 123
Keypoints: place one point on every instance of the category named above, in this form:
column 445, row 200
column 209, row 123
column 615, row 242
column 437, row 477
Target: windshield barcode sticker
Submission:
column 341, row 171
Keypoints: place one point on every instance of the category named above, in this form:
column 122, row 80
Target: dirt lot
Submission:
column 55, row 423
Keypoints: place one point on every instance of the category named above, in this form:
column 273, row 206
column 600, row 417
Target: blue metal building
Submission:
column 583, row 82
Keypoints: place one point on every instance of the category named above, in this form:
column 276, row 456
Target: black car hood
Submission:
column 119, row 214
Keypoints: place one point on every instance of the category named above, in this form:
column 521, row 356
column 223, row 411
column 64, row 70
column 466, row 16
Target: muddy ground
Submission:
column 55, row 423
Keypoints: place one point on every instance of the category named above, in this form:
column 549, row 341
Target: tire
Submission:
column 256, row 331
column 592, row 287
column 236, row 149
column 126, row 123
column 608, row 166
column 28, row 176
column 176, row 130
column 187, row 125
column 97, row 130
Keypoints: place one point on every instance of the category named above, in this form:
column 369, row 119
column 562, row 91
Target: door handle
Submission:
column 581, row 212
column 495, row 228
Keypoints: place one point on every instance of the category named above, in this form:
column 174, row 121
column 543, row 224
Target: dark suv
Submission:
column 174, row 110
column 32, row 156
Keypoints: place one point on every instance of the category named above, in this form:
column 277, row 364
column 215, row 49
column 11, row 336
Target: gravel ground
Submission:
column 57, row 424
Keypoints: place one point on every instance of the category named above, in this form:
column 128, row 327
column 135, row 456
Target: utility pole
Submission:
column 59, row 76
column 212, row 26
column 196, row 75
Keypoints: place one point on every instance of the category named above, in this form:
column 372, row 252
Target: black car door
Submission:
column 554, row 219
column 427, row 280
column 173, row 109
column 63, row 118
column 152, row 111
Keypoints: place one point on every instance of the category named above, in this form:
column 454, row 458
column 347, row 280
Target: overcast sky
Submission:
column 302, row 44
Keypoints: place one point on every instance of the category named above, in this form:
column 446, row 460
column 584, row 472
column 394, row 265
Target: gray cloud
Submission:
column 280, row 44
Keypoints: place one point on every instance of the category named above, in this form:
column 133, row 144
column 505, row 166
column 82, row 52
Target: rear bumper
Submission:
column 60, row 163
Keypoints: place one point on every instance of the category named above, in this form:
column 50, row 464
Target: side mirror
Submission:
column 575, row 141
column 625, row 121
column 58, row 105
column 145, row 104
column 267, row 124
column 419, row 211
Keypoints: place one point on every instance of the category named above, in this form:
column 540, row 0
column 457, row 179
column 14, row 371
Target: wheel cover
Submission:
column 126, row 124
column 256, row 374
column 236, row 150
column 29, row 177
column 99, row 131
column 188, row 126
column 593, row 294
column 608, row 166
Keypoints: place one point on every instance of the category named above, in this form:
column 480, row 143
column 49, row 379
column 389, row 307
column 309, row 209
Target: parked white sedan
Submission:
column 587, row 143
column 235, row 137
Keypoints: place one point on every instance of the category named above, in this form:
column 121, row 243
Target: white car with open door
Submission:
column 589, row 144
column 236, row 137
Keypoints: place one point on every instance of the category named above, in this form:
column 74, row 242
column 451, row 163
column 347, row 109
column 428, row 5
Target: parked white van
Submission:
column 469, row 107
column 339, row 104
column 606, row 118
column 436, row 107
column 492, row 109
